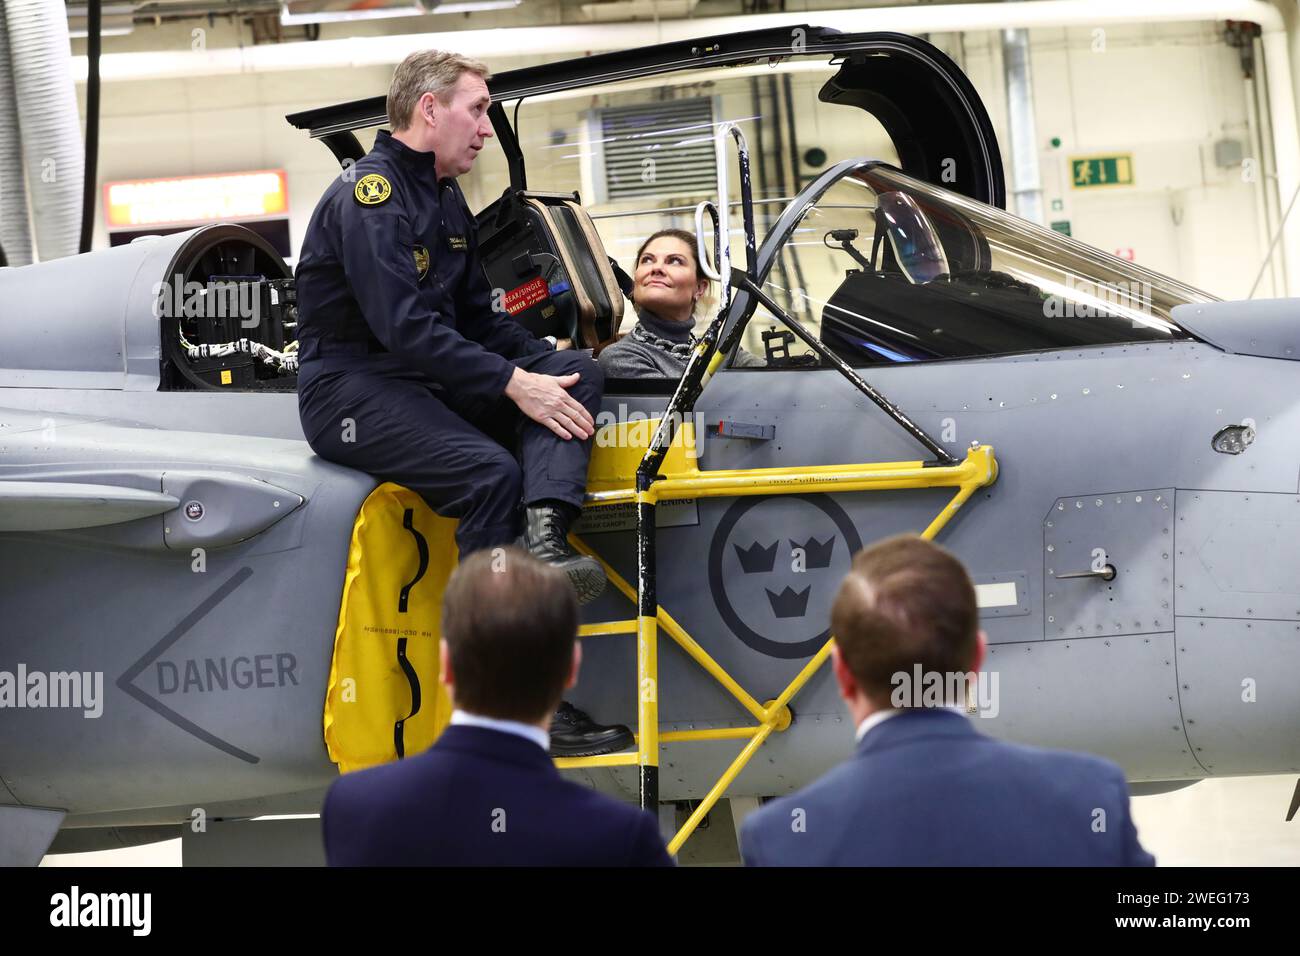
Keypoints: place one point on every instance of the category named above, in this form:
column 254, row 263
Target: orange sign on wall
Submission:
column 195, row 199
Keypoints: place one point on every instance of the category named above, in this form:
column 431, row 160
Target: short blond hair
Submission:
column 427, row 71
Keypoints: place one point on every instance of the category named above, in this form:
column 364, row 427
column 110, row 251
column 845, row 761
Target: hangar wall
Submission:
column 1163, row 94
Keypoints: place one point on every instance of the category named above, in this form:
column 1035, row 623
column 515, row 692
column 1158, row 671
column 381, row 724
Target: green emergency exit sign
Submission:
column 1087, row 171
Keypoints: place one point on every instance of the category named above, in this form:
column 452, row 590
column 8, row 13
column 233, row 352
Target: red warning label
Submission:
column 528, row 294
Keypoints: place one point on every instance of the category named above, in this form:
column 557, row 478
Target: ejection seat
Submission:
column 543, row 251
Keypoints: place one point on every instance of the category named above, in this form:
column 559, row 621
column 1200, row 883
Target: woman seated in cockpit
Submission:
column 667, row 286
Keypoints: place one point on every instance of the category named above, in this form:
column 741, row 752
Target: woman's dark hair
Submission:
column 684, row 236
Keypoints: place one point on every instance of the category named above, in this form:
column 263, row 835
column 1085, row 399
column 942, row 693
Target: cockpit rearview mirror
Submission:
column 912, row 238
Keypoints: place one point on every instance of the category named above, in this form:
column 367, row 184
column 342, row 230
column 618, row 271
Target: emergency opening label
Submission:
column 673, row 513
column 527, row 295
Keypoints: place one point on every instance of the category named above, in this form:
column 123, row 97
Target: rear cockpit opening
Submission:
column 228, row 315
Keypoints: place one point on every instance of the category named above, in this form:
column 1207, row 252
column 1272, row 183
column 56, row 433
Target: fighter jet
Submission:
column 205, row 623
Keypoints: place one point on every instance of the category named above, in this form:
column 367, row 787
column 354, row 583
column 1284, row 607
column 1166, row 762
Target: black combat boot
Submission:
column 574, row 734
column 546, row 537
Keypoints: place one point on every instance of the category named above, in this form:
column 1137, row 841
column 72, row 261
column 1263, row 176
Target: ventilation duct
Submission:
column 41, row 70
column 15, row 217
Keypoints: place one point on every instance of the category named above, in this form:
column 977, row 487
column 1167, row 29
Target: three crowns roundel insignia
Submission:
column 759, row 560
column 778, row 601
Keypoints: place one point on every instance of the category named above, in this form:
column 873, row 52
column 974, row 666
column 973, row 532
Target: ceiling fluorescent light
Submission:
column 107, row 29
column 305, row 14
column 295, row 12
column 115, row 20
column 475, row 6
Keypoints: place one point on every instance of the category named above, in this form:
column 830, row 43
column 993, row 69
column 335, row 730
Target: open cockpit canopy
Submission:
column 932, row 120
column 904, row 255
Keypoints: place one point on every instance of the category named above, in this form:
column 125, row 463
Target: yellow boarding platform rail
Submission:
column 619, row 450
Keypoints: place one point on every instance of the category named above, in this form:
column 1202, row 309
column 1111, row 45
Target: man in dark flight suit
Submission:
column 408, row 372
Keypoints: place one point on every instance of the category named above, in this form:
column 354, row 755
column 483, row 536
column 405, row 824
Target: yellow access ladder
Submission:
column 611, row 481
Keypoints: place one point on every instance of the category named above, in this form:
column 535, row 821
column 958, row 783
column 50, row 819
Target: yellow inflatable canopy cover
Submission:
column 385, row 699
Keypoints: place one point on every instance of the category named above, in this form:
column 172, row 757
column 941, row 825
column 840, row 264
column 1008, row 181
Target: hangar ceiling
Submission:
column 124, row 16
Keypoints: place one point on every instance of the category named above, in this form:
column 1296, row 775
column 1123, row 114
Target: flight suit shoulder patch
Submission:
column 372, row 190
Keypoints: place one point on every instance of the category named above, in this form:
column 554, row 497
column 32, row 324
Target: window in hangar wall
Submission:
column 257, row 199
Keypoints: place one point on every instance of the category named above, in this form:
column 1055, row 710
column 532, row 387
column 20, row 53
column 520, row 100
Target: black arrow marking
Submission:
column 125, row 682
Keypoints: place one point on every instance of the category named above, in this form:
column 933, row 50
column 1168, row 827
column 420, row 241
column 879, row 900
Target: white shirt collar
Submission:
column 527, row 731
column 876, row 718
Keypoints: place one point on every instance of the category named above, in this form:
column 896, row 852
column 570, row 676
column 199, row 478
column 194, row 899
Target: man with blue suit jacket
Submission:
column 924, row 786
column 486, row 793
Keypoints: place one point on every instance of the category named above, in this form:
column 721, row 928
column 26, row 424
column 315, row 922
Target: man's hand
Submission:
column 545, row 399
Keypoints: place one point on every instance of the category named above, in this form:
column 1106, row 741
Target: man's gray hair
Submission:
column 428, row 71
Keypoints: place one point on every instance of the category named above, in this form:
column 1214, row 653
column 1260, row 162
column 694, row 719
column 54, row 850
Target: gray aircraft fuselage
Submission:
column 1181, row 667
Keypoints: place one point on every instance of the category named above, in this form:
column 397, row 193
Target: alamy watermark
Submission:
column 1085, row 299
column 216, row 300
column 71, row 690
column 624, row 429
column 75, row 908
column 918, row 688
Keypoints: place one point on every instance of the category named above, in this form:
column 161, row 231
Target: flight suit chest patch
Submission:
column 421, row 260
column 372, row 190
column 457, row 243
